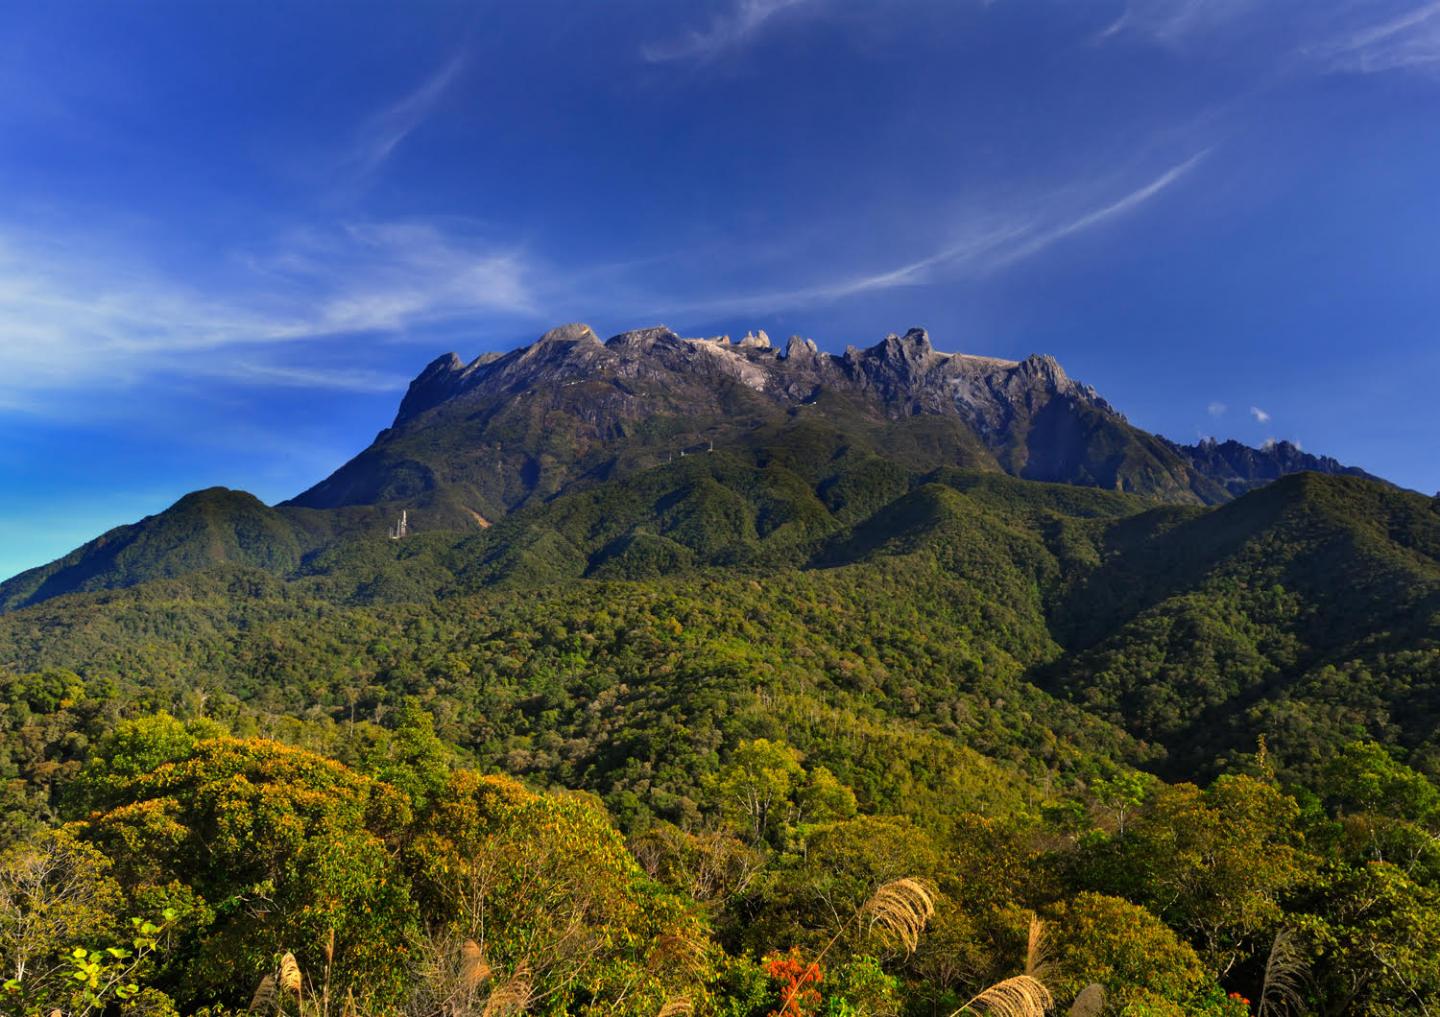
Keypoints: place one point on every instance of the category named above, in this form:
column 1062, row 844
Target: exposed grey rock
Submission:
column 1240, row 468
column 517, row 424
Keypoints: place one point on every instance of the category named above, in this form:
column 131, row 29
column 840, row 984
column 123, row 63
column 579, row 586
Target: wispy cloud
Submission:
column 727, row 31
column 1216, row 409
column 1409, row 40
column 388, row 276
column 990, row 244
column 345, row 379
column 382, row 133
column 1173, row 22
column 1131, row 201
column 1370, row 37
column 71, row 318
column 1261, row 417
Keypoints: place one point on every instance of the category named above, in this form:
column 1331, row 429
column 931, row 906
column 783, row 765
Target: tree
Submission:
column 1378, row 937
column 413, row 758
column 1124, row 948
column 1121, row 794
column 57, row 895
column 288, row 849
column 711, row 866
column 754, row 790
column 1212, row 864
column 809, row 896
column 544, row 887
column 1363, row 777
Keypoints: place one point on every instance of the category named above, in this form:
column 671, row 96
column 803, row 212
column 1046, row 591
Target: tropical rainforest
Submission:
column 835, row 713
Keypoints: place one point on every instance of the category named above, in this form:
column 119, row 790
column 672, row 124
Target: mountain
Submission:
column 831, row 436
column 473, row 442
column 796, row 625
column 202, row 529
column 1304, row 610
column 1239, row 468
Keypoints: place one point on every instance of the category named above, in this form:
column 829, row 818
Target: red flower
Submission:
column 798, row 981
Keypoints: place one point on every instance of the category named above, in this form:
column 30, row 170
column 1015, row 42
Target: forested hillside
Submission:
column 834, row 713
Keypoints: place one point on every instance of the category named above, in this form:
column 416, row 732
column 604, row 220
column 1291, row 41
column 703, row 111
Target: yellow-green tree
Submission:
column 559, row 911
column 286, row 848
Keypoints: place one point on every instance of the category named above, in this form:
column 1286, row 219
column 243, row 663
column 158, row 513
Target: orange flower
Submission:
column 798, row 981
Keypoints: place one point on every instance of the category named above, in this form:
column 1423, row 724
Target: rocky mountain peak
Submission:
column 1046, row 369
column 436, row 383
column 509, row 426
column 641, row 340
column 576, row 331
column 1240, row 468
column 800, row 349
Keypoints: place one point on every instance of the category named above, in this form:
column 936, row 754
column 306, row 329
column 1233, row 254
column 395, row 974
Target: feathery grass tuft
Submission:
column 1090, row 1002
column 1284, row 988
column 512, row 997
column 1037, row 951
column 673, row 952
column 1021, row 996
column 474, row 968
column 264, row 998
column 680, row 1006
column 290, row 979
column 901, row 909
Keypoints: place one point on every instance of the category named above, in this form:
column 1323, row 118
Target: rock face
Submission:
column 506, row 429
column 1240, row 468
column 473, row 443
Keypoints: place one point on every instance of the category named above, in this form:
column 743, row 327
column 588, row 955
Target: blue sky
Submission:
column 233, row 231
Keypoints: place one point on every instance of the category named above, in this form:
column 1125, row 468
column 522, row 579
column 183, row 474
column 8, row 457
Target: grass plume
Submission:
column 1021, row 996
column 1284, row 988
column 474, row 969
column 264, row 997
column 901, row 909
column 1037, row 959
column 1090, row 1002
column 510, row 998
column 290, row 979
column 674, row 952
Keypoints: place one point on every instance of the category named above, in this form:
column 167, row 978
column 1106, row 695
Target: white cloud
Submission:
column 1261, row 417
column 1365, row 38
column 986, row 245
column 383, row 132
column 72, row 316
column 1137, row 197
column 388, row 276
column 727, row 31
column 1172, row 22
column 1217, row 409
column 1409, row 40
column 346, row 379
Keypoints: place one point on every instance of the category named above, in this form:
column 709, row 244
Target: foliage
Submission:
column 732, row 698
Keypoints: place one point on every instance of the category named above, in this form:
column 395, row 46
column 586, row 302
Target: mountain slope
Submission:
column 488, row 437
column 203, row 529
column 1307, row 609
column 1239, row 468
column 798, row 443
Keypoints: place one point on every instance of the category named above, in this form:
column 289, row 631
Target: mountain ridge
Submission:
column 586, row 394
column 473, row 442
